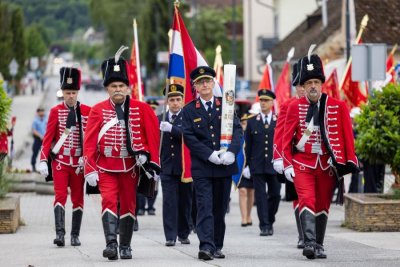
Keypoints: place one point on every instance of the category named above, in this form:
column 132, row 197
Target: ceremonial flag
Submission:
column 134, row 67
column 282, row 89
column 266, row 81
column 331, row 86
column 351, row 89
column 218, row 66
column 390, row 65
column 184, row 58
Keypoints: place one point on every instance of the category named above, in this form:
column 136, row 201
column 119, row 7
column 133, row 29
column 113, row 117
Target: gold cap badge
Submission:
column 201, row 71
column 116, row 68
column 173, row 88
column 310, row 67
column 69, row 80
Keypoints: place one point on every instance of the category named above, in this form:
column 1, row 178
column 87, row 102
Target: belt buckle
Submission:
column 67, row 152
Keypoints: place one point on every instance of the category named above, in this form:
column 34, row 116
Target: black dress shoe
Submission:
column 170, row 243
column 264, row 232
column 184, row 241
column 205, row 255
column 151, row 212
column 320, row 252
column 270, row 230
column 125, row 252
column 59, row 240
column 75, row 241
column 140, row 212
column 218, row 254
column 111, row 251
column 249, row 223
column 300, row 243
column 309, row 251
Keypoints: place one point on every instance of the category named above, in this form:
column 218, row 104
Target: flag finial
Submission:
column 177, row 3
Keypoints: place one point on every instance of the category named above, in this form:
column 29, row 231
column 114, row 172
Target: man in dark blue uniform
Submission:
column 177, row 194
column 212, row 169
column 259, row 152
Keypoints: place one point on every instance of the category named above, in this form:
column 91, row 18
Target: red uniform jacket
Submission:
column 338, row 129
column 110, row 153
column 71, row 149
column 279, row 129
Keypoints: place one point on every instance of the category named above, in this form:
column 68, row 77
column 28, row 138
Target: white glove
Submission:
column 92, row 178
column 156, row 177
column 43, row 169
column 227, row 158
column 141, row 159
column 165, row 126
column 246, row 172
column 214, row 158
column 289, row 173
column 278, row 166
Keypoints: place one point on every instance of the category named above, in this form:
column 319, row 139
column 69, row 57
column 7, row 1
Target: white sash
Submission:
column 106, row 127
column 62, row 139
column 306, row 135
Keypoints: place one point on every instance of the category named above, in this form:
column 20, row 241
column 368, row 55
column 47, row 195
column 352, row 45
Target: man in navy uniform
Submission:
column 177, row 193
column 259, row 152
column 212, row 169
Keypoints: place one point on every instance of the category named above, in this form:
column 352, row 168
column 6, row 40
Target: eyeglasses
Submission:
column 201, row 81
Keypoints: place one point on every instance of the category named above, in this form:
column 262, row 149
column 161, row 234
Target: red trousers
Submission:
column 314, row 188
column 64, row 176
column 118, row 185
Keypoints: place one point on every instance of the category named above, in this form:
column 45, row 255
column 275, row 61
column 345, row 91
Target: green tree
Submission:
column 19, row 46
column 6, row 40
column 378, row 128
column 36, row 45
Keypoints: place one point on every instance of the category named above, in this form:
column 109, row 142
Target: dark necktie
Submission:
column 209, row 105
column 173, row 117
column 266, row 122
column 120, row 112
column 312, row 112
column 71, row 119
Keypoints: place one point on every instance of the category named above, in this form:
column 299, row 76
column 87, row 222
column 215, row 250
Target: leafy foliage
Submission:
column 378, row 128
column 4, row 181
column 19, row 46
column 36, row 46
column 5, row 108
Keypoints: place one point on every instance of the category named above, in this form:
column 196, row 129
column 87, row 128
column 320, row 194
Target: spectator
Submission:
column 38, row 130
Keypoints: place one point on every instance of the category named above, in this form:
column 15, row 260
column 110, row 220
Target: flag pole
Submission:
column 363, row 25
column 138, row 74
column 393, row 49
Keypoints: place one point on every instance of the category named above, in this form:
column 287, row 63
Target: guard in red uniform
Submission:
column 290, row 193
column 122, row 141
column 318, row 148
column 63, row 143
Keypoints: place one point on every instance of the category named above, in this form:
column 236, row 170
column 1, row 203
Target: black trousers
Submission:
column 212, row 197
column 374, row 175
column 267, row 203
column 177, row 206
column 37, row 144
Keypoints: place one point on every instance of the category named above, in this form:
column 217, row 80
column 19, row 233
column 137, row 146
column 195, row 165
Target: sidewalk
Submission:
column 32, row 244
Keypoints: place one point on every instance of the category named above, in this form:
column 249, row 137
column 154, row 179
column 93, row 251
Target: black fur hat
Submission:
column 295, row 74
column 311, row 68
column 115, row 69
column 70, row 78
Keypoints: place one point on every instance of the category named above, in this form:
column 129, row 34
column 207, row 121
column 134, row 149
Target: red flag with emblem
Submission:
column 331, row 86
column 390, row 67
column 265, row 82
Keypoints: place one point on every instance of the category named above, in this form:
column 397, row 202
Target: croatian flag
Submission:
column 184, row 57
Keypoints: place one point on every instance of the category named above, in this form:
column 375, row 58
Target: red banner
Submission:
column 331, row 86
column 282, row 88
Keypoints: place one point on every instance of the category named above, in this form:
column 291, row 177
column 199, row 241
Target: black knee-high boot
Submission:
column 125, row 237
column 59, row 216
column 307, row 220
column 300, row 243
column 110, row 232
column 76, row 227
column 320, row 227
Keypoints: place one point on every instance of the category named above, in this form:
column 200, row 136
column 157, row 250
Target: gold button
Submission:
column 266, row 142
column 172, row 146
column 172, row 154
column 266, row 148
column 212, row 135
column 170, row 138
column 211, row 127
column 266, row 155
column 214, row 143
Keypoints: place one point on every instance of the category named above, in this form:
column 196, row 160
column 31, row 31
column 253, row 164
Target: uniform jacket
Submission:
column 71, row 149
column 337, row 127
column 110, row 153
column 259, row 145
column 4, row 141
column 202, row 133
column 279, row 129
column 171, row 148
